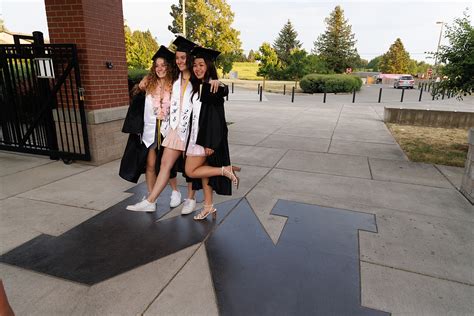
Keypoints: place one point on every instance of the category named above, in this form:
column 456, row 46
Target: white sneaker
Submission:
column 142, row 206
column 188, row 207
column 175, row 198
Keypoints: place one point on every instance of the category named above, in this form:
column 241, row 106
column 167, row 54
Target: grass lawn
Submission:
column 443, row 146
column 246, row 70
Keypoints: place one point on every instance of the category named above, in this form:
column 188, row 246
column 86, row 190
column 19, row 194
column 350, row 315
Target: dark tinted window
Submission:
column 406, row 78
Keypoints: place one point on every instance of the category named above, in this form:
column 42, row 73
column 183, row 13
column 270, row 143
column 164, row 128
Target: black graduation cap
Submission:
column 163, row 52
column 206, row 53
column 182, row 44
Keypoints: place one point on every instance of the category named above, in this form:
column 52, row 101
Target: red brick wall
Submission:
column 96, row 27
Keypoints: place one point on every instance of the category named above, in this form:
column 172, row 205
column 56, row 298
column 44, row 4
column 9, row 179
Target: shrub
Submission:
column 315, row 83
column 135, row 76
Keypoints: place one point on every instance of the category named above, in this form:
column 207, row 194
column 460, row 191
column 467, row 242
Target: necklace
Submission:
column 158, row 107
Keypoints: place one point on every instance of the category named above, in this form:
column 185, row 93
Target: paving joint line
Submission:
column 335, row 127
column 45, row 184
column 55, row 203
column 370, row 169
column 353, row 177
column 171, row 280
column 371, row 207
column 418, row 273
column 201, row 244
column 442, row 173
column 10, row 174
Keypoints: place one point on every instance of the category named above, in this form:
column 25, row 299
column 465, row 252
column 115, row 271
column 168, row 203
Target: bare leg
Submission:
column 207, row 192
column 174, row 184
column 167, row 161
column 5, row 308
column 191, row 192
column 195, row 168
column 150, row 172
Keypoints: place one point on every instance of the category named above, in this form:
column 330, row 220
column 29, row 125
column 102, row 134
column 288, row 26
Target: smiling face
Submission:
column 199, row 68
column 181, row 61
column 161, row 68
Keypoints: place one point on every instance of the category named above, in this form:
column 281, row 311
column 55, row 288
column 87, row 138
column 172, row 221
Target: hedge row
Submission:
column 135, row 76
column 315, row 83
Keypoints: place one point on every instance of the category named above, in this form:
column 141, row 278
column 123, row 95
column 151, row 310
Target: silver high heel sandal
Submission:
column 231, row 174
column 206, row 210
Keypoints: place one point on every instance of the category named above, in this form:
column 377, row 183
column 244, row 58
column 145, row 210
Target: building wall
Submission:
column 97, row 28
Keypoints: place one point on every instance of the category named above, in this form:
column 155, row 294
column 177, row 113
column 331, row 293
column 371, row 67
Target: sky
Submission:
column 376, row 24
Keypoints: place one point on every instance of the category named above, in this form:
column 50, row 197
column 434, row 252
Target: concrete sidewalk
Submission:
column 419, row 262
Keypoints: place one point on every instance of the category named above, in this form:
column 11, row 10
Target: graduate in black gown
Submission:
column 207, row 154
column 147, row 115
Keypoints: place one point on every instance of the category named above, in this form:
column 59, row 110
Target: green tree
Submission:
column 208, row 23
column 360, row 63
column 316, row 65
column 298, row 65
column 396, row 60
column 336, row 44
column 251, row 56
column 412, row 67
column 226, row 61
column 458, row 58
column 268, row 65
column 422, row 67
column 286, row 42
column 129, row 47
column 374, row 63
column 139, row 48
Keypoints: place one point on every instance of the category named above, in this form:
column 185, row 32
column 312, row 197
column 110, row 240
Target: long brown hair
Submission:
column 153, row 79
column 211, row 74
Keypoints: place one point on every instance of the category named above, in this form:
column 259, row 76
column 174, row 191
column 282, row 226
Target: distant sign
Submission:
column 430, row 71
column 348, row 70
column 233, row 75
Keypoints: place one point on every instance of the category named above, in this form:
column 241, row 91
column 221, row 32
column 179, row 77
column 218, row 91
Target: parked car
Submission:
column 404, row 82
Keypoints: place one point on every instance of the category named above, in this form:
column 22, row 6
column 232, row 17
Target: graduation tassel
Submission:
column 158, row 131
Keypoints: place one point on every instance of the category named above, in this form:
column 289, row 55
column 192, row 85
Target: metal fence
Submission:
column 41, row 107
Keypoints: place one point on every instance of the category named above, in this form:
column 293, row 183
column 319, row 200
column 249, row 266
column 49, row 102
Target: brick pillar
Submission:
column 467, row 186
column 96, row 27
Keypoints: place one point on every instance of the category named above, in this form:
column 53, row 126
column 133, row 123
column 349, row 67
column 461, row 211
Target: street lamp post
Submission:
column 184, row 18
column 439, row 43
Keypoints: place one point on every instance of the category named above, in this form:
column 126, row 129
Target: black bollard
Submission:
column 292, row 94
column 258, row 89
column 442, row 95
column 353, row 96
column 284, row 89
column 261, row 92
column 429, row 87
column 380, row 94
column 232, row 87
column 421, row 93
column 403, row 93
column 324, row 98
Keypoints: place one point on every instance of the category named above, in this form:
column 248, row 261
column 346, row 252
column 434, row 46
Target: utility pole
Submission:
column 439, row 43
column 184, row 18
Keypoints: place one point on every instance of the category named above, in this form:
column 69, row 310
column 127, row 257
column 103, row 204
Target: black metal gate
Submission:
column 41, row 103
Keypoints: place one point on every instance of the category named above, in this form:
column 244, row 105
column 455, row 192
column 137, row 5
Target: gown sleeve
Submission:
column 133, row 123
column 212, row 123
